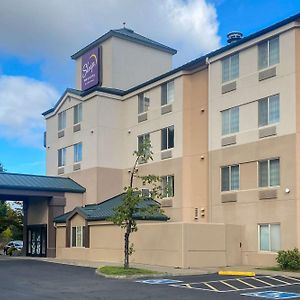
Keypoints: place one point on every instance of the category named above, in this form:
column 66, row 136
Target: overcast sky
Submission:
column 38, row 37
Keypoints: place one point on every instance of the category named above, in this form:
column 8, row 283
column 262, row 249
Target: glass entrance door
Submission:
column 37, row 240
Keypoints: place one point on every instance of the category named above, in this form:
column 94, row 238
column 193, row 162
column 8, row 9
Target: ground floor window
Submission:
column 77, row 236
column 269, row 237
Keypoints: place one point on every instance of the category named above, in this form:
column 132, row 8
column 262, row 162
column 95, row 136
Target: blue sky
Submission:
column 35, row 64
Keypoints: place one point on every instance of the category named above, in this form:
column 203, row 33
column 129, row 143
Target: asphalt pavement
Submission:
column 36, row 280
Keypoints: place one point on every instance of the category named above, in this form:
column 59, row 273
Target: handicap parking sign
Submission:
column 273, row 295
column 159, row 281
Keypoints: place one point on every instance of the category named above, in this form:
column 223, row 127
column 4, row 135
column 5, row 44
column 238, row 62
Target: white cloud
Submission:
column 56, row 29
column 22, row 100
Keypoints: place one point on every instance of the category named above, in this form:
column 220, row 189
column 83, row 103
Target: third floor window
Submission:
column 167, row 93
column 77, row 113
column 268, row 53
column 268, row 110
column 143, row 103
column 230, row 68
column 62, row 120
column 167, row 138
column 230, row 120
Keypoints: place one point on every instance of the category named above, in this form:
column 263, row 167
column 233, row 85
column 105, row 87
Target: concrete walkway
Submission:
column 171, row 271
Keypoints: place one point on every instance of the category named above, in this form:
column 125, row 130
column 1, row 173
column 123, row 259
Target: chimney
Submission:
column 234, row 36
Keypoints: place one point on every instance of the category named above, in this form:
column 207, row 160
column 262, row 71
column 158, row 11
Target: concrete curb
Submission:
column 130, row 276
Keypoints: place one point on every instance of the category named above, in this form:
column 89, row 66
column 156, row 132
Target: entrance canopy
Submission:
column 43, row 199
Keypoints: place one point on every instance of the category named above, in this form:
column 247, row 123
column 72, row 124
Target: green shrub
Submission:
column 11, row 251
column 289, row 259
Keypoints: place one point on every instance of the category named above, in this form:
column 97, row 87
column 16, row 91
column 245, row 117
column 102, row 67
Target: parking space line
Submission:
column 264, row 282
column 274, row 278
column 246, row 283
column 210, row 286
column 288, row 277
column 231, row 286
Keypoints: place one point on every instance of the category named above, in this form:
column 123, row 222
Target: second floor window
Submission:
column 268, row 111
column 61, row 157
column 167, row 185
column 167, row 138
column 230, row 178
column 77, row 113
column 78, row 152
column 142, row 139
column 143, row 103
column 62, row 120
column 269, row 172
column 167, row 93
column 230, row 68
column 230, row 120
column 268, row 53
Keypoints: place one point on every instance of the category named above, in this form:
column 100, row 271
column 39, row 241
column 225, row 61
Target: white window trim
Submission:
column 230, row 112
column 167, row 149
column 167, row 181
column 76, row 145
column 74, row 114
column 62, row 113
column 224, row 82
column 268, row 43
column 173, row 100
column 230, row 191
column 268, row 114
column 269, row 186
column 81, row 228
column 258, row 237
column 64, row 150
column 145, row 95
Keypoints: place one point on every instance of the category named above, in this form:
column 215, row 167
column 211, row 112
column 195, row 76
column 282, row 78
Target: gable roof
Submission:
column 39, row 183
column 105, row 210
column 129, row 35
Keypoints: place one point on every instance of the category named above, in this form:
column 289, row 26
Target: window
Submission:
column 167, row 185
column 167, row 138
column 268, row 53
column 143, row 103
column 268, row 111
column 61, row 157
column 230, row 178
column 269, row 237
column 145, row 193
column 230, row 68
column 230, row 120
column 62, row 120
column 78, row 152
column 77, row 236
column 77, row 113
column 269, row 173
column 142, row 139
column 167, row 93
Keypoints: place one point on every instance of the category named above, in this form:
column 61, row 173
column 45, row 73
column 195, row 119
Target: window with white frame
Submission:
column 142, row 139
column 268, row 110
column 167, row 138
column 230, row 68
column 268, row 53
column 77, row 113
column 143, row 103
column 62, row 120
column 167, row 93
column 167, row 185
column 62, row 157
column 230, row 120
column 230, row 178
column 269, row 172
column 269, row 237
column 78, row 152
column 77, row 236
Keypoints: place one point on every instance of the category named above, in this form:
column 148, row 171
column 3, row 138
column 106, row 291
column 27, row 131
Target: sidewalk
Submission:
column 171, row 271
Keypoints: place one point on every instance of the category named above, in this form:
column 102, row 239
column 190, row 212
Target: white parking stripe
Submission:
column 264, row 282
column 274, row 278
column 226, row 283
column 244, row 282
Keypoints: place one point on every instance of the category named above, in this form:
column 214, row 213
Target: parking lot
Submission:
column 30, row 279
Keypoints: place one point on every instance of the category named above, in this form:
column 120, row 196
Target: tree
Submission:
column 2, row 169
column 134, row 201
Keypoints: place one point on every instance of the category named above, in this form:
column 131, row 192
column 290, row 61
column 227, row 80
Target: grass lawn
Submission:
column 120, row 271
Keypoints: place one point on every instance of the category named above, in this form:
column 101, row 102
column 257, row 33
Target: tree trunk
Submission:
column 126, row 248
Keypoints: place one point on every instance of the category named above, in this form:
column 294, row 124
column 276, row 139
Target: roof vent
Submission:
column 234, row 36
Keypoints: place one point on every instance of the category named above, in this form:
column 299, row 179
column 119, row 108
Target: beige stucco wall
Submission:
column 249, row 211
column 166, row 244
column 37, row 211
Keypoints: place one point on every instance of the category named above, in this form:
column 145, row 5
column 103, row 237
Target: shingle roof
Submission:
column 201, row 61
column 39, row 183
column 129, row 35
column 104, row 210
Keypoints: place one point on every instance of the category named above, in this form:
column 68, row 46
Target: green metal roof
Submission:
column 104, row 210
column 129, row 35
column 39, row 183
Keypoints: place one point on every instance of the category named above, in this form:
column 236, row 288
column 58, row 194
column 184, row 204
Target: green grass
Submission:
column 120, row 271
column 278, row 269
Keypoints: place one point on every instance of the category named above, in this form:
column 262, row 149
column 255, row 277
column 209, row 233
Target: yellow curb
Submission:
column 236, row 273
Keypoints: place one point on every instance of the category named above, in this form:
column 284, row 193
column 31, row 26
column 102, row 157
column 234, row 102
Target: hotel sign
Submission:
column 90, row 68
